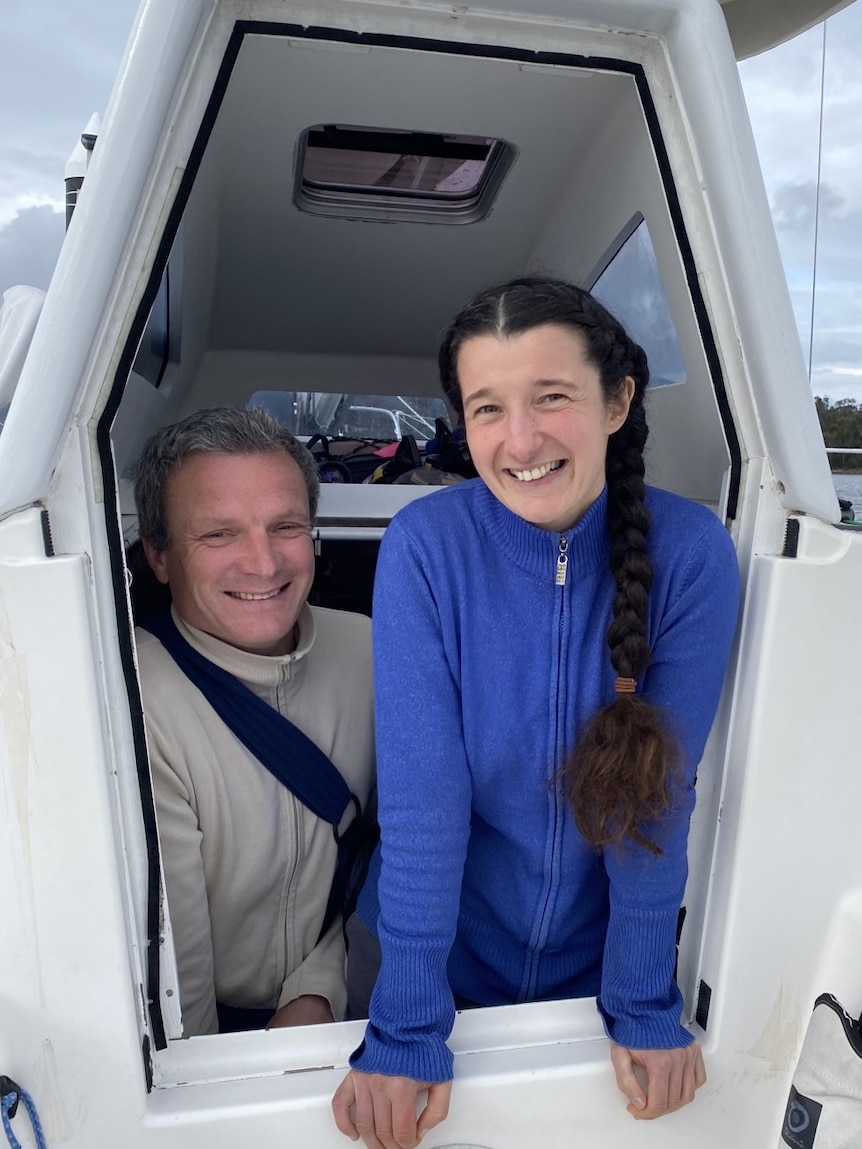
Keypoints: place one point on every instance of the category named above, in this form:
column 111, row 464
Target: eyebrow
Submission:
column 482, row 393
column 212, row 522
column 536, row 385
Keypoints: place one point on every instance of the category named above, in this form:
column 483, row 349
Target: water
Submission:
column 850, row 487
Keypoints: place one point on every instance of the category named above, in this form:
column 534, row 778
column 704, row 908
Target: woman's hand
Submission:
column 672, row 1076
column 382, row 1110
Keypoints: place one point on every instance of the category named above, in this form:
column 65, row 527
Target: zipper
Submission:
column 530, row 980
column 562, row 562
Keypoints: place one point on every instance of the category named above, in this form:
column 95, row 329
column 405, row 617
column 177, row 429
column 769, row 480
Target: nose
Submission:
column 523, row 437
column 260, row 554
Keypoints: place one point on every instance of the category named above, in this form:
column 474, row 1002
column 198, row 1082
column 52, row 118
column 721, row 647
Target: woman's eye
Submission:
column 553, row 397
column 485, row 409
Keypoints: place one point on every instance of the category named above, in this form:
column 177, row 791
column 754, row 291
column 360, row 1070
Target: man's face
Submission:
column 240, row 562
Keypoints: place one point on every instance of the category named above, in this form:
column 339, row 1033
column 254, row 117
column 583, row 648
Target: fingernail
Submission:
column 638, row 1102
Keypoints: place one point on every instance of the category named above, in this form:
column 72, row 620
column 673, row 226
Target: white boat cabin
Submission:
column 285, row 204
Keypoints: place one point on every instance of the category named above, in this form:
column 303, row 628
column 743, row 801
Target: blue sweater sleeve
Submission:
column 639, row 1000
column 424, row 794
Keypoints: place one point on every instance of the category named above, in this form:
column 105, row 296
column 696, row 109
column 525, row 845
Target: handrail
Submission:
column 844, row 450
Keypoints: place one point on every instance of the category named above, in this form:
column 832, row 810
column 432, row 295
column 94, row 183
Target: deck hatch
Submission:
column 393, row 173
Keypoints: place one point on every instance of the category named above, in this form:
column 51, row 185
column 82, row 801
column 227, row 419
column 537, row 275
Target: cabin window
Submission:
column 353, row 416
column 160, row 343
column 152, row 357
column 386, row 173
column 628, row 283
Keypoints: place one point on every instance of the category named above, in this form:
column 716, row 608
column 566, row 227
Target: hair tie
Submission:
column 625, row 686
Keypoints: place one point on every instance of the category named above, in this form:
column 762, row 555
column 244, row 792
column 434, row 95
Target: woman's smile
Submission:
column 536, row 473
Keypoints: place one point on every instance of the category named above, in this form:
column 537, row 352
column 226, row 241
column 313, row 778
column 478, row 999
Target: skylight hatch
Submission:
column 393, row 174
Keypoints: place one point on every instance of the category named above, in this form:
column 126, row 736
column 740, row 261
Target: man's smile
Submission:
column 245, row 596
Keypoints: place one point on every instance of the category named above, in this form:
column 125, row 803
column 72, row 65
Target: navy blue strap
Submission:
column 280, row 746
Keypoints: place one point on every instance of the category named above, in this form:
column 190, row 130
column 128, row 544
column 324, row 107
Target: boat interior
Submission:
column 269, row 289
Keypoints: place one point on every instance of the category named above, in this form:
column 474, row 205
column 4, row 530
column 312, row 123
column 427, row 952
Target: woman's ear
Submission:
column 618, row 408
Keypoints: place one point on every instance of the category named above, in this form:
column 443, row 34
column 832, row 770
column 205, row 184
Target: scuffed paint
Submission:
column 15, row 728
column 15, row 709
column 778, row 1043
column 59, row 1124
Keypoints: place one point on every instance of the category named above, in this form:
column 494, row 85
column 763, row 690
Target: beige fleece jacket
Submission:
column 247, row 867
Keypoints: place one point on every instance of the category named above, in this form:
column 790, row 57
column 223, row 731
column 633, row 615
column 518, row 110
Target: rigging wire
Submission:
column 817, row 202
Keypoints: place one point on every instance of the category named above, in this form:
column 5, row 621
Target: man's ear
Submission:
column 157, row 561
column 620, row 404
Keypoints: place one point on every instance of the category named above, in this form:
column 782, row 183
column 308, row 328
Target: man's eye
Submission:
column 293, row 530
column 216, row 536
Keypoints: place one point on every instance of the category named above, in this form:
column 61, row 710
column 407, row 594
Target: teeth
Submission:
column 537, row 472
column 253, row 597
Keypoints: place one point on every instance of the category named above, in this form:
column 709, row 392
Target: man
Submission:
column 226, row 500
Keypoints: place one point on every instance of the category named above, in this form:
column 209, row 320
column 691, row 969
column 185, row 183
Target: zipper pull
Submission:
column 562, row 562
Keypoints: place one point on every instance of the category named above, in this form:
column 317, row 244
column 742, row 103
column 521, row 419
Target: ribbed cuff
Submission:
column 427, row 1058
column 657, row 1030
column 411, row 1012
column 639, row 1000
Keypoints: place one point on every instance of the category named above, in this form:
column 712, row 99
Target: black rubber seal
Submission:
column 791, row 539
column 704, row 1000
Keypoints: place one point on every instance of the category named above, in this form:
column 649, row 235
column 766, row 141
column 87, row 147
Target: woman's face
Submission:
column 537, row 422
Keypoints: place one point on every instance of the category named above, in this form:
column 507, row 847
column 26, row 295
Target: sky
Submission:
column 58, row 62
column 782, row 89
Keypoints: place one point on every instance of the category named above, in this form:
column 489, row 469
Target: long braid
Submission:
column 621, row 772
column 629, row 524
column 620, row 775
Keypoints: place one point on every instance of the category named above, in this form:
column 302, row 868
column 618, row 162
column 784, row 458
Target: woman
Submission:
column 550, row 643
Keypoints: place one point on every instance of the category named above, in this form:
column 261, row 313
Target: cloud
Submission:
column 832, row 386
column 50, row 84
column 794, row 204
column 29, row 247
column 837, row 348
column 782, row 90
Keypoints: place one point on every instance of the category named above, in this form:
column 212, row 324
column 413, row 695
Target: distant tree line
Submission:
column 841, row 423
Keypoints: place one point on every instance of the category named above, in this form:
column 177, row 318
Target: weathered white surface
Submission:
column 774, row 893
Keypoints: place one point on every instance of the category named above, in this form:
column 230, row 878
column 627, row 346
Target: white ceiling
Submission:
column 290, row 281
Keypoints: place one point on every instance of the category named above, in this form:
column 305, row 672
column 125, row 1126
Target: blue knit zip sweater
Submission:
column 485, row 671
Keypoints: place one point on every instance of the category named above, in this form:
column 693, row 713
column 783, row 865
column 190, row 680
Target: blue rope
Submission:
column 10, row 1101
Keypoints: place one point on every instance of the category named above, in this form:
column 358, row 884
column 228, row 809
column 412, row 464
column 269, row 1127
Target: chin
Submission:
column 269, row 647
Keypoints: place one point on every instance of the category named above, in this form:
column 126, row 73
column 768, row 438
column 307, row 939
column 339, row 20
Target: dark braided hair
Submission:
column 623, row 768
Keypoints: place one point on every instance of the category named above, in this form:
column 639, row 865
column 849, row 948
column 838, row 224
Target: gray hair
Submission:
column 215, row 431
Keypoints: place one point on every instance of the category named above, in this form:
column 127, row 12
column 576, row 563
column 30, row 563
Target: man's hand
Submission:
column 672, row 1076
column 382, row 1110
column 307, row 1010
